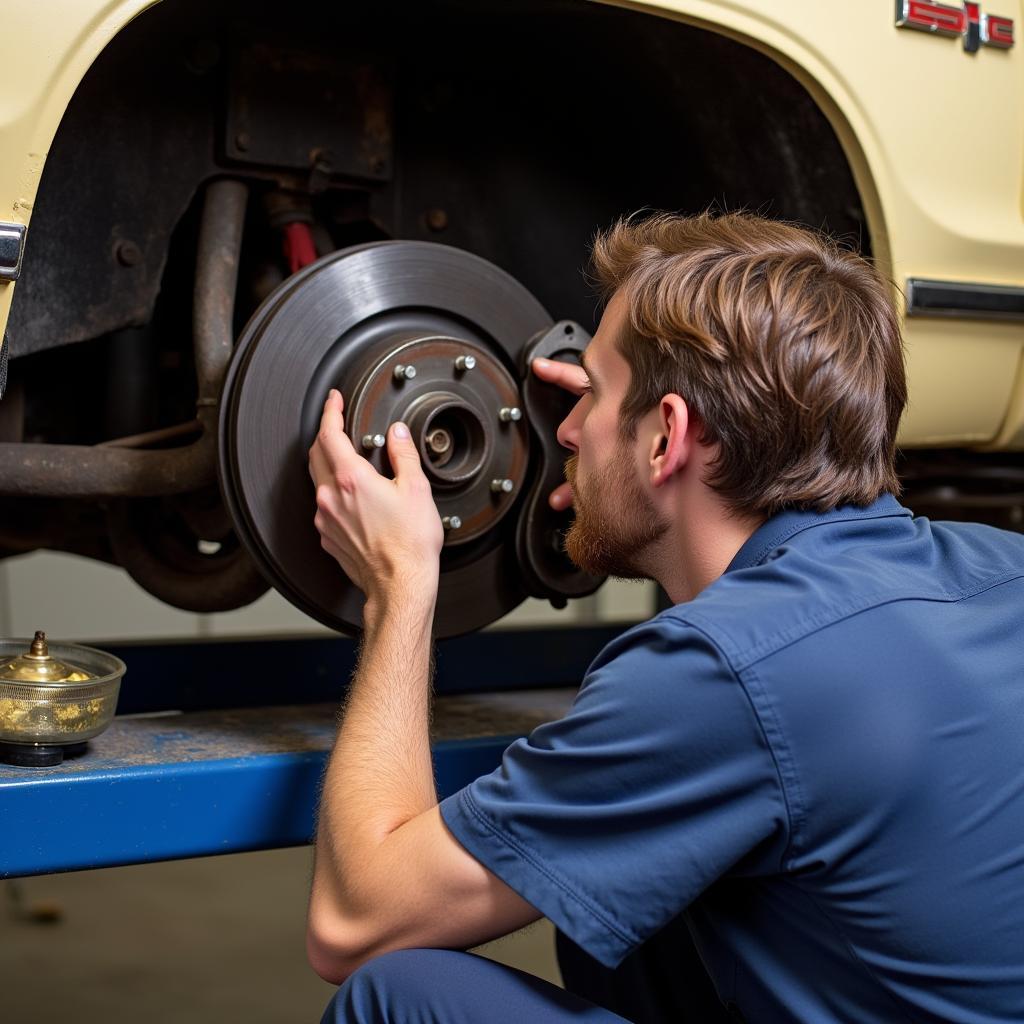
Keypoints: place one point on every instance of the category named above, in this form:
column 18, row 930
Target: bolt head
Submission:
column 502, row 486
column 465, row 362
column 128, row 254
column 510, row 414
column 436, row 219
column 451, row 523
column 371, row 441
column 403, row 372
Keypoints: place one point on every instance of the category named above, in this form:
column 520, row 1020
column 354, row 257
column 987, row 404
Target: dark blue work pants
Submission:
column 661, row 982
column 436, row 986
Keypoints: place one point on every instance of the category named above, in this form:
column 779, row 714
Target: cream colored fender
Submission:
column 45, row 49
column 933, row 135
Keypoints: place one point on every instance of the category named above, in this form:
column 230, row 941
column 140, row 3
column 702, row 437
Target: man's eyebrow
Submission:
column 586, row 368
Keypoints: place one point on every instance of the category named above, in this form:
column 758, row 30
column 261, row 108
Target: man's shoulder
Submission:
column 824, row 577
column 659, row 647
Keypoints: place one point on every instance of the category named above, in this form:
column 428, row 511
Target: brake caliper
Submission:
column 540, row 534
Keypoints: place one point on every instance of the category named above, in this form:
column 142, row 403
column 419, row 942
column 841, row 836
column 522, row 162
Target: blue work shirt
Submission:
column 820, row 759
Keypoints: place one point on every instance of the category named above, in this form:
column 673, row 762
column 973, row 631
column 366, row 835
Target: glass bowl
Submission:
column 60, row 712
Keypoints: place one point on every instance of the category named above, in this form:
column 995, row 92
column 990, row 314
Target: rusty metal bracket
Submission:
column 83, row 471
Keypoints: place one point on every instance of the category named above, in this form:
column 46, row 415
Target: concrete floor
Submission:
column 207, row 940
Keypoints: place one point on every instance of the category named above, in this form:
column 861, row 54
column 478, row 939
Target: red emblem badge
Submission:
column 967, row 21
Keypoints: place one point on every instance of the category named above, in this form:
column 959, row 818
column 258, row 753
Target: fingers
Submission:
column 402, row 451
column 566, row 375
column 334, row 411
column 319, row 468
column 561, row 497
column 572, row 378
column 331, row 438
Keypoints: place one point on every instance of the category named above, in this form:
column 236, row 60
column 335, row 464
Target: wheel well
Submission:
column 511, row 131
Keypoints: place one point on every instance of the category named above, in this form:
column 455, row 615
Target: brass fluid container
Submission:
column 53, row 699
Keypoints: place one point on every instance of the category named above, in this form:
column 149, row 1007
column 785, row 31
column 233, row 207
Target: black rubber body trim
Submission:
column 961, row 299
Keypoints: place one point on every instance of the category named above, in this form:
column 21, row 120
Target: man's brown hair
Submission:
column 785, row 346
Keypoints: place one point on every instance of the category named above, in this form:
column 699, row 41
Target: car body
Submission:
column 511, row 130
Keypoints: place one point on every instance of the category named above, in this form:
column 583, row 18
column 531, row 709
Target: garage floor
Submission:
column 204, row 940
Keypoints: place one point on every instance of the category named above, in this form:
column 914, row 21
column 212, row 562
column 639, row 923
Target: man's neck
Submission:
column 699, row 546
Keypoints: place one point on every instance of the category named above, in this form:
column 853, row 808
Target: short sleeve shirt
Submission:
column 820, row 760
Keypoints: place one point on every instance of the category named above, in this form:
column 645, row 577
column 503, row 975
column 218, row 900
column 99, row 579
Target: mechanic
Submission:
column 813, row 762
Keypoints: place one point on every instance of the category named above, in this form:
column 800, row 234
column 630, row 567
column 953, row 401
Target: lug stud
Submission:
column 451, row 522
column 502, row 486
column 464, row 363
column 402, row 372
column 371, row 441
column 510, row 414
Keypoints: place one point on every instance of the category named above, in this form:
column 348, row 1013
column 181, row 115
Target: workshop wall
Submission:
column 75, row 598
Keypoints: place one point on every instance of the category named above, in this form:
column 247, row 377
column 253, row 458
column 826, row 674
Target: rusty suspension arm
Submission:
column 106, row 471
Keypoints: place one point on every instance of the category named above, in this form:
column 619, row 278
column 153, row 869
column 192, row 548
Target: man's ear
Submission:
column 672, row 442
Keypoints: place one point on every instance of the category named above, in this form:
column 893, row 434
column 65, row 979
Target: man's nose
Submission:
column 569, row 429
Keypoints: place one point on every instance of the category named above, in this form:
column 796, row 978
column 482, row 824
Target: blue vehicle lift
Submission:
column 219, row 747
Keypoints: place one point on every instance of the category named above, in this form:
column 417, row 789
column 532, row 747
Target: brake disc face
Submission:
column 431, row 335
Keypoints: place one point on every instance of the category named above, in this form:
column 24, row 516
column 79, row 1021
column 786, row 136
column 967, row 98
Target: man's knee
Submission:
column 378, row 991
column 440, row 986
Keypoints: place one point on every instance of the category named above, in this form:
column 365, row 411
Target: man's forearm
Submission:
column 389, row 874
column 380, row 773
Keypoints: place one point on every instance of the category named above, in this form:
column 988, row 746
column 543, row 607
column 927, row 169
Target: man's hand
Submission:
column 574, row 379
column 383, row 533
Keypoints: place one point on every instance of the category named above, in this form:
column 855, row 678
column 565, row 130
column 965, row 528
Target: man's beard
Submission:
column 616, row 522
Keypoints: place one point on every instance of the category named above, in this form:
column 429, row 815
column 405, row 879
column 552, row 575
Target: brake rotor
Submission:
column 415, row 331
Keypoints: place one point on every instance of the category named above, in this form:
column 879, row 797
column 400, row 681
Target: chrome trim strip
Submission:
column 12, row 246
column 965, row 300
